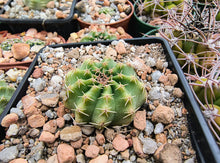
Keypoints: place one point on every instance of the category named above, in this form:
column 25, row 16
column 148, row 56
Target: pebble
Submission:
column 158, row 128
column 138, row 146
column 36, row 120
column 77, row 144
column 19, row 160
column 161, row 138
column 92, row 151
column 38, row 73
column 120, row 48
column 38, row 84
column 65, row 153
column 87, row 130
column 173, row 78
column 163, row 114
column 17, row 111
column 125, row 154
column 100, row 159
column 50, row 99
column 100, row 139
column 60, row 122
column 177, row 92
column 50, row 126
column 36, row 152
column 149, row 145
column 12, row 130
column 20, row 50
column 47, row 137
column 140, row 120
column 52, row 159
column 149, row 128
column 168, row 153
column 80, row 158
column 9, row 119
column 72, row 133
column 156, row 75
column 34, row 132
column 119, row 143
column 8, row 154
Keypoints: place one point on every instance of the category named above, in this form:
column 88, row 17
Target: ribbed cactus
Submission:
column 5, row 94
column 104, row 93
column 36, row 4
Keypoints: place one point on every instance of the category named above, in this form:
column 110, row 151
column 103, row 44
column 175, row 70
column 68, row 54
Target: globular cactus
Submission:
column 104, row 93
column 36, row 4
column 5, row 94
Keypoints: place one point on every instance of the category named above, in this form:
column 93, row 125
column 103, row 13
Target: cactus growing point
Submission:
column 104, row 93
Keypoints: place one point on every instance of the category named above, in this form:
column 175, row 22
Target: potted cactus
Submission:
column 98, row 33
column 149, row 15
column 85, row 96
column 49, row 15
column 196, row 46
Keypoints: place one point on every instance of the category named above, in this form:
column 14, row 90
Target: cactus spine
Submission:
column 104, row 93
column 5, row 94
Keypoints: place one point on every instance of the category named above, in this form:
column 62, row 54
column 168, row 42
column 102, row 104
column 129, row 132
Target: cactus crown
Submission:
column 36, row 4
column 104, row 93
column 5, row 94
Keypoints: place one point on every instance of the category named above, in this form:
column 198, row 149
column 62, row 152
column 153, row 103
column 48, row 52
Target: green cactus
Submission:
column 5, row 94
column 104, row 93
column 36, row 4
column 96, row 36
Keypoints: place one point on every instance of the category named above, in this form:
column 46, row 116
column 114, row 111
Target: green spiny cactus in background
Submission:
column 36, row 4
column 96, row 36
column 5, row 94
column 104, row 93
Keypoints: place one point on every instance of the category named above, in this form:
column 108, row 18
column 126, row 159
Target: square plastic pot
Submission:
column 62, row 26
column 203, row 141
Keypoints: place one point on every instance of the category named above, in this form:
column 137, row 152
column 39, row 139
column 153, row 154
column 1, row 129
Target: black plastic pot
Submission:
column 62, row 26
column 202, row 138
column 138, row 27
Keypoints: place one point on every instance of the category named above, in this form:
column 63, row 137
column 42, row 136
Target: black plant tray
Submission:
column 203, row 141
column 62, row 26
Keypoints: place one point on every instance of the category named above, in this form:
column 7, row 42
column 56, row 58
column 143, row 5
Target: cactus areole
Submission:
column 104, row 93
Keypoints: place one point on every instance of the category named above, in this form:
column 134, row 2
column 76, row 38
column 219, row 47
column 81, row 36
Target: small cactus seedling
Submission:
column 36, row 4
column 104, row 93
column 96, row 36
column 5, row 94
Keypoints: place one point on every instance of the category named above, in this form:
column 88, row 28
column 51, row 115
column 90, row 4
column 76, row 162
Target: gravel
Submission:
column 55, row 68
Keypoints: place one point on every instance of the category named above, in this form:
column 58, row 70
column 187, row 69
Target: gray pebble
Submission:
column 17, row 111
column 12, row 130
column 158, row 128
column 8, row 154
column 149, row 128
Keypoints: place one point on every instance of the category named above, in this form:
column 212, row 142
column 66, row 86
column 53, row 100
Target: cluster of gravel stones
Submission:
column 39, row 129
column 89, row 11
column 54, row 10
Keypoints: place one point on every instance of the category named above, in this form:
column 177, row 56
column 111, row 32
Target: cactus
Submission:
column 36, row 4
column 104, row 93
column 5, row 94
column 96, row 36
